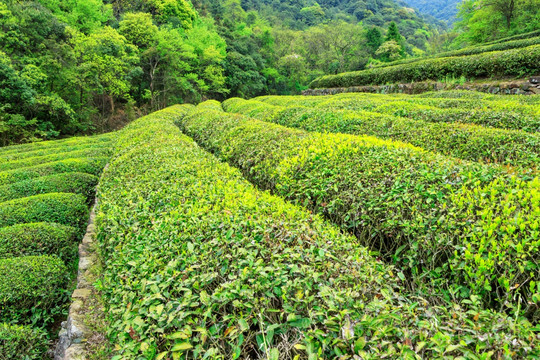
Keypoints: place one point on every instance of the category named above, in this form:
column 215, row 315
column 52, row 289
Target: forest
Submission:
column 89, row 66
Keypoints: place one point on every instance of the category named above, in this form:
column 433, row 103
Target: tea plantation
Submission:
column 353, row 226
column 46, row 189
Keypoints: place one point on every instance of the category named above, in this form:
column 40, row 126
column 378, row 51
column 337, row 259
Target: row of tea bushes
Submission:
column 469, row 142
column 509, row 115
column 473, row 50
column 200, row 264
column 411, row 205
column 45, row 192
column 516, row 62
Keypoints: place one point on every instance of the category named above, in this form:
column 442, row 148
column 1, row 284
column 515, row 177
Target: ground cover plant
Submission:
column 459, row 228
column 198, row 263
column 469, row 142
column 515, row 62
column 45, row 192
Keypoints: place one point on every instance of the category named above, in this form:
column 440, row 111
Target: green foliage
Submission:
column 66, row 209
column 89, row 151
column 91, row 166
column 42, row 238
column 397, row 199
column 362, row 115
column 516, row 62
column 203, row 264
column 72, row 182
column 21, row 343
column 30, row 286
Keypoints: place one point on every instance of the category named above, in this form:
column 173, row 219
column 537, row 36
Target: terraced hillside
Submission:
column 343, row 227
column 45, row 192
column 492, row 61
column 201, row 264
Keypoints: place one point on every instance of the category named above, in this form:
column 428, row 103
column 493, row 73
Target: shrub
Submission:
column 66, row 209
column 37, row 160
column 16, row 156
column 473, row 50
column 396, row 198
column 198, row 263
column 517, row 62
column 92, row 165
column 30, row 286
column 74, row 182
column 58, row 144
column 22, row 343
column 469, row 142
column 39, row 239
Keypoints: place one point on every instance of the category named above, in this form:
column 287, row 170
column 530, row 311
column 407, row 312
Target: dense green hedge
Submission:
column 22, row 343
column 39, row 239
column 92, row 165
column 473, row 50
column 16, row 156
column 199, row 264
column 74, row 182
column 58, row 144
column 66, row 209
column 30, row 285
column 407, row 203
column 517, row 62
column 469, row 142
column 99, row 151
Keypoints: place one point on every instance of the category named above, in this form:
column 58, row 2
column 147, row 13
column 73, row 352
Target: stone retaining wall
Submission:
column 529, row 86
column 78, row 333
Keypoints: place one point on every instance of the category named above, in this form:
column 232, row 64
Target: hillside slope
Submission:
column 445, row 10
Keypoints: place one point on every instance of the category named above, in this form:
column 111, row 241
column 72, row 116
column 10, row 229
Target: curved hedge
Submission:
column 65, row 209
column 74, row 182
column 472, row 50
column 398, row 199
column 92, row 165
column 30, row 284
column 35, row 239
column 37, row 160
column 15, row 157
column 469, row 142
column 72, row 141
column 198, row 263
column 22, row 343
column 517, row 62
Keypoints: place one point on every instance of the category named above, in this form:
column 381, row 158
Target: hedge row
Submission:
column 398, row 199
column 517, row 62
column 14, row 157
column 92, row 166
column 33, row 239
column 21, row 342
column 99, row 151
column 30, row 284
column 472, row 50
column 469, row 142
column 58, row 144
column 199, row 264
column 479, row 96
column 73, row 182
column 66, row 209
column 504, row 115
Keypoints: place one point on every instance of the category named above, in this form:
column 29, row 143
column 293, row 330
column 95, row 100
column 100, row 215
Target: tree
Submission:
column 393, row 33
column 389, row 51
column 374, row 39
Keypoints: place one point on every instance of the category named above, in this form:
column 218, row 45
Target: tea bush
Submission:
column 66, row 209
column 73, row 182
column 516, row 62
column 404, row 202
column 21, row 342
column 200, row 264
column 91, row 165
column 37, row 160
column 34, row 239
column 469, row 142
column 30, row 284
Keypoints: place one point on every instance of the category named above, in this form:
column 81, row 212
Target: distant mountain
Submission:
column 445, row 10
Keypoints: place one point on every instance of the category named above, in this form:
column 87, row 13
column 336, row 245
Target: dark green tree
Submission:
column 374, row 39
